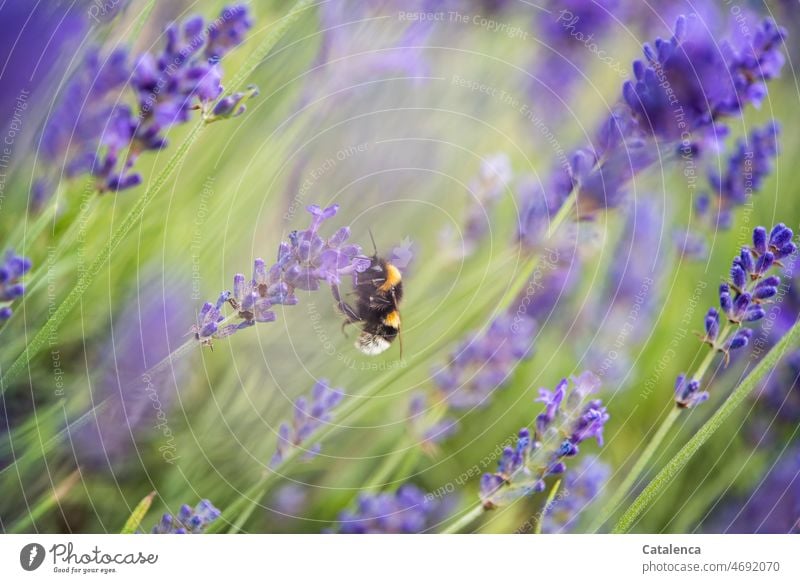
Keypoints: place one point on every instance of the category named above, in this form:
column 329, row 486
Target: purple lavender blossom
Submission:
column 748, row 166
column 303, row 263
column 569, row 419
column 91, row 125
column 11, row 271
column 307, row 418
column 678, row 91
column 681, row 87
column 188, row 520
column 483, row 362
column 94, row 131
column 742, row 299
column 187, row 70
column 290, row 500
column 581, row 486
column 407, row 511
column 773, row 506
column 228, row 31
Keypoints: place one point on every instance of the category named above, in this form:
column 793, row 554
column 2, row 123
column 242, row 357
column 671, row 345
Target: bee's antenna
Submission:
column 374, row 246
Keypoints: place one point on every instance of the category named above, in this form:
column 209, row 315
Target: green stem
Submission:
column 464, row 521
column 641, row 464
column 233, row 510
column 655, row 443
column 277, row 30
column 679, row 461
column 261, row 491
column 546, row 507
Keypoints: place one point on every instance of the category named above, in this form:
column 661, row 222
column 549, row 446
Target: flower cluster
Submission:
column 741, row 301
column 569, row 419
column 11, row 270
column 303, row 263
column 94, row 131
column 679, row 89
column 484, row 361
column 189, row 520
column 307, row 418
column 406, row 511
column 581, row 487
column 682, row 85
column 749, row 164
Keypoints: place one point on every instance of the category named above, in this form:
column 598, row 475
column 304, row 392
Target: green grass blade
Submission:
column 138, row 514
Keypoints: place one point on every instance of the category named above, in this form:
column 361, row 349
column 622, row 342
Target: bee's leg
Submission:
column 351, row 316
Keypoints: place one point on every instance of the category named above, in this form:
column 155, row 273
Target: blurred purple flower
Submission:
column 483, row 361
column 747, row 167
column 407, row 511
column 773, row 506
column 426, row 425
column 620, row 316
column 12, row 269
column 565, row 30
column 307, row 418
column 136, row 399
column 581, row 486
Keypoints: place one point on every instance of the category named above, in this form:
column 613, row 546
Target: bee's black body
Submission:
column 378, row 290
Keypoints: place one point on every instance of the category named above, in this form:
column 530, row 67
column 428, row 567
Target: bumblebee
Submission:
column 378, row 291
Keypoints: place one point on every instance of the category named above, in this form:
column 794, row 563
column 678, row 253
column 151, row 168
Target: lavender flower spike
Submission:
column 307, row 418
column 11, row 270
column 569, row 419
column 189, row 520
column 95, row 131
column 303, row 263
column 741, row 301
